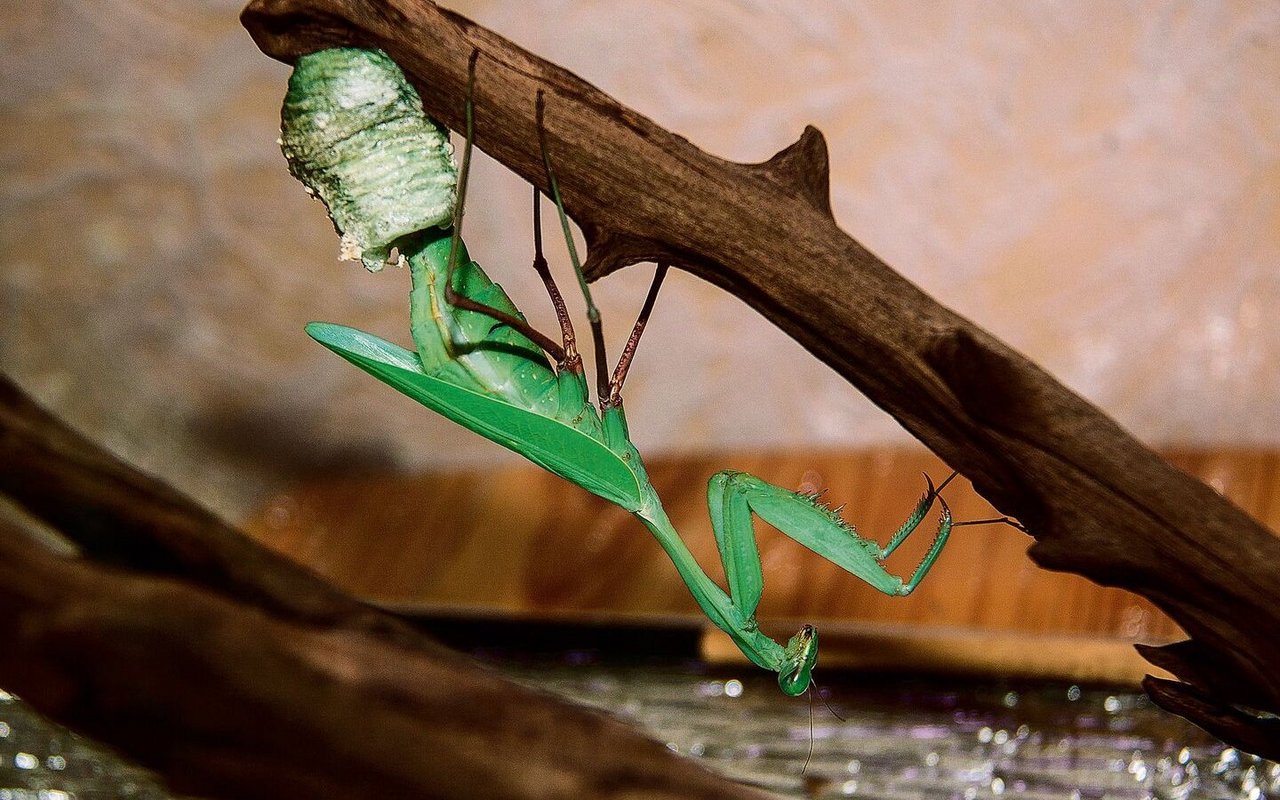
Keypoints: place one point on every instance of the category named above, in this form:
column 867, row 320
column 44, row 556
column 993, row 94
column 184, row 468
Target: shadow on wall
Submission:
column 288, row 443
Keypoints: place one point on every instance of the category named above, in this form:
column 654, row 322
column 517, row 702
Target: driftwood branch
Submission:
column 1098, row 502
column 237, row 674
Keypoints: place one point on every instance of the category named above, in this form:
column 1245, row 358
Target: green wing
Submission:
column 547, row 442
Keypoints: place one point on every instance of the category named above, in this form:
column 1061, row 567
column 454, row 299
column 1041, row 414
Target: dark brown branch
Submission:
column 236, row 674
column 117, row 515
column 1098, row 502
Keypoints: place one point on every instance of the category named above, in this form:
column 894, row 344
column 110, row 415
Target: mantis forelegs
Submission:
column 732, row 498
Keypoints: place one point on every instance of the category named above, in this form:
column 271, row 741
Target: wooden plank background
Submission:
column 519, row 541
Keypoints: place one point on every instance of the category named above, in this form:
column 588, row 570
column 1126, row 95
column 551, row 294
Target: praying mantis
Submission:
column 354, row 132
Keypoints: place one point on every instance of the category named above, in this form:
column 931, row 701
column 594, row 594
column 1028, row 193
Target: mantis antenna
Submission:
column 354, row 132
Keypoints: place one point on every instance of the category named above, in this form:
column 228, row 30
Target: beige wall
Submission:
column 1098, row 184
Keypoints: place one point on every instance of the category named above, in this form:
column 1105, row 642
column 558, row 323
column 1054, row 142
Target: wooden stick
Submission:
column 1098, row 502
column 237, row 674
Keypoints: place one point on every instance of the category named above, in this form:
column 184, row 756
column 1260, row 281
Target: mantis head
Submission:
column 796, row 670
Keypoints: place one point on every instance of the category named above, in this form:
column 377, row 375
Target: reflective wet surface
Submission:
column 41, row 761
column 898, row 738
column 925, row 739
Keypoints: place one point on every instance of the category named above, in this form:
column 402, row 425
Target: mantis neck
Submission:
column 713, row 600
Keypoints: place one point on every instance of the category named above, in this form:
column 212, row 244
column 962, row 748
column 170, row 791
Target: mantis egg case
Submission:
column 354, row 132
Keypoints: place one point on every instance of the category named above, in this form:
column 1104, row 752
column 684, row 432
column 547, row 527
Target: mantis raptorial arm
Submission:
column 354, row 132
column 732, row 498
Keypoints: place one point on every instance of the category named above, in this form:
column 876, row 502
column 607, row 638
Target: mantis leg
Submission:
column 593, row 313
column 734, row 496
column 917, row 515
column 561, row 354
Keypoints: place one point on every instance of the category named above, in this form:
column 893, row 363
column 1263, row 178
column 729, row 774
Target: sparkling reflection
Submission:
column 921, row 739
column 897, row 739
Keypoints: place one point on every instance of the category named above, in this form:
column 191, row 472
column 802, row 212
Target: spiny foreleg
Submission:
column 735, row 496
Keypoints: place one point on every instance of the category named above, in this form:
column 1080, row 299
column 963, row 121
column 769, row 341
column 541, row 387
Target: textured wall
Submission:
column 1097, row 184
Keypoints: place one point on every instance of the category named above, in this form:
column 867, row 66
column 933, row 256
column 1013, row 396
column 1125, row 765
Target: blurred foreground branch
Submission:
column 237, row 674
column 1098, row 502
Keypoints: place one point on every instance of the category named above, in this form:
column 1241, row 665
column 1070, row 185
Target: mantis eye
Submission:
column 797, row 666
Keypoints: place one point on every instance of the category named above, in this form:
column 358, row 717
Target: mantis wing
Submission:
column 545, row 441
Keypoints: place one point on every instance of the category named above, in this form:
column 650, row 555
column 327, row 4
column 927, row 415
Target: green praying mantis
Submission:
column 355, row 134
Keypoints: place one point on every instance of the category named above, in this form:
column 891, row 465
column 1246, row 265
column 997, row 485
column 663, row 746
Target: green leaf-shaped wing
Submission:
column 547, row 442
